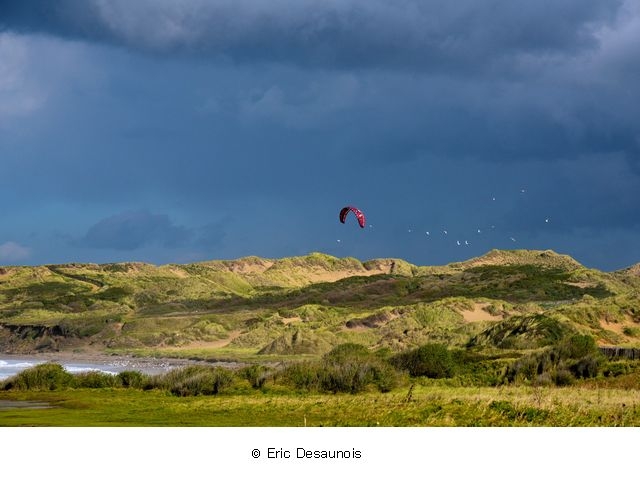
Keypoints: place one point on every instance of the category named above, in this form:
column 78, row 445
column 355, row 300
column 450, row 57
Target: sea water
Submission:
column 10, row 366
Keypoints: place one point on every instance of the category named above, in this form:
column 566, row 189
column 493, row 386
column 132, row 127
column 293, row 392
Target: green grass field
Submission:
column 431, row 404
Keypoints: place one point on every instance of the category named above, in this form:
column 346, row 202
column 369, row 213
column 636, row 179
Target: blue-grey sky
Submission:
column 176, row 131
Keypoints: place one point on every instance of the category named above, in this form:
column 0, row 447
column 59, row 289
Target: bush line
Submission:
column 348, row 368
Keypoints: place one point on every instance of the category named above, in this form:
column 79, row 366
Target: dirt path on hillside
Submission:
column 223, row 342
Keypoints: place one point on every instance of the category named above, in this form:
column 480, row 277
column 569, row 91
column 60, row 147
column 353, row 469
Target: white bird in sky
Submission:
column 458, row 242
column 512, row 239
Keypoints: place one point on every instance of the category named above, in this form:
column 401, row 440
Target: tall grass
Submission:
column 193, row 380
column 348, row 368
column 575, row 357
column 46, row 376
column 433, row 403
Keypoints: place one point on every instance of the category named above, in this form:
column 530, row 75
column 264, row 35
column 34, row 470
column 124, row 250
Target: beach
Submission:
column 76, row 363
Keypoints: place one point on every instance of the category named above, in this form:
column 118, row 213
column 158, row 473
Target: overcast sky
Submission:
column 174, row 131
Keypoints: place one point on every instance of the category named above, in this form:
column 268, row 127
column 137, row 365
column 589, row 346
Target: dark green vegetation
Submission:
column 319, row 325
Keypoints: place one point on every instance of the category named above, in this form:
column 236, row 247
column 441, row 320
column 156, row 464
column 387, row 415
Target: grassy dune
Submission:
column 252, row 306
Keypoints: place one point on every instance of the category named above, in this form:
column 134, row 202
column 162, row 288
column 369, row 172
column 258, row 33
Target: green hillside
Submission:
column 265, row 309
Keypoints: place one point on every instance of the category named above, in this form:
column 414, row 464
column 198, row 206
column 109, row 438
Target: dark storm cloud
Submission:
column 436, row 34
column 595, row 194
column 212, row 234
column 253, row 122
column 133, row 230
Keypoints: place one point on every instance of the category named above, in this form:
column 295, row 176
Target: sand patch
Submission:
column 289, row 320
column 325, row 276
column 179, row 273
column 223, row 342
column 582, row 284
column 612, row 326
column 627, row 330
column 246, row 267
column 479, row 314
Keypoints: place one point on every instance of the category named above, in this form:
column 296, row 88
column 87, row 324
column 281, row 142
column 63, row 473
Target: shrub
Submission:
column 544, row 380
column 525, row 368
column 347, row 351
column 577, row 346
column 615, row 369
column 351, row 368
column 94, row 379
column 573, row 358
column 46, row 376
column 348, row 368
column 303, row 375
column 432, row 360
column 133, row 379
column 562, row 377
column 385, row 377
column 586, row 367
column 193, row 380
column 256, row 375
